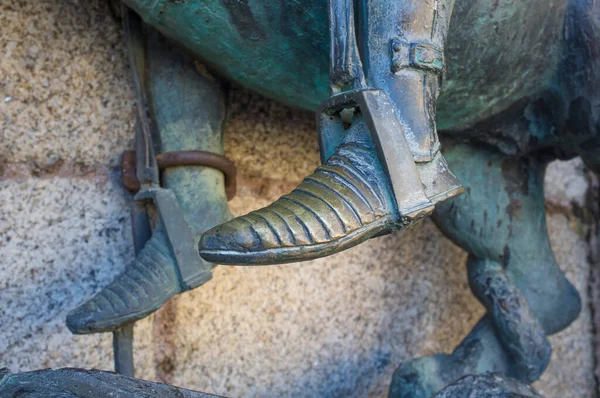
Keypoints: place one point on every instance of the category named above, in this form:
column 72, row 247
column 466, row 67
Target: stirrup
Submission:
column 191, row 269
column 392, row 147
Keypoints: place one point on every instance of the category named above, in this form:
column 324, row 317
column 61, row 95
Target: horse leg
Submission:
column 512, row 270
column 187, row 107
column 517, row 328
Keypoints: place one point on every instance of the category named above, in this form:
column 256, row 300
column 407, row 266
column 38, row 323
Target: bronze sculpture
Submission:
column 386, row 172
column 94, row 383
column 193, row 198
column 497, row 146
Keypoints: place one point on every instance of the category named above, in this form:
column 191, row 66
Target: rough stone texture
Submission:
column 60, row 239
column 333, row 327
column 256, row 128
column 65, row 91
column 572, row 350
column 567, row 183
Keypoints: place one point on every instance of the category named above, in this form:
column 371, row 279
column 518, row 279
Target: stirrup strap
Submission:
column 192, row 269
column 346, row 69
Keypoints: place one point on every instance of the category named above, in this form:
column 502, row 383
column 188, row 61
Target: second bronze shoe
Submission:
column 343, row 203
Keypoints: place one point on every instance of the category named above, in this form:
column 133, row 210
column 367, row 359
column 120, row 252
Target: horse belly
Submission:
column 498, row 52
column 277, row 48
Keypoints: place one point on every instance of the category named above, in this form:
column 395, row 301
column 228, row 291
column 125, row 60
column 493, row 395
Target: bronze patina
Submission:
column 386, row 171
column 518, row 85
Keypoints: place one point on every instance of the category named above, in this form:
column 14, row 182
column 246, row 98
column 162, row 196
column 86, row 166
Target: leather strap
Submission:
column 346, row 69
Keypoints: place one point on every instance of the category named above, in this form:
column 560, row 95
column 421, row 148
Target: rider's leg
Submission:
column 500, row 221
column 357, row 193
column 188, row 108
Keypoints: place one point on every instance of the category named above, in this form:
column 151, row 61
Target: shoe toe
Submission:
column 235, row 235
column 82, row 320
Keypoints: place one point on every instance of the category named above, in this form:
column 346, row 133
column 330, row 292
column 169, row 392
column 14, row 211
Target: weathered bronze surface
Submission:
column 385, row 172
column 180, row 111
column 500, row 221
column 78, row 383
column 487, row 386
column 521, row 86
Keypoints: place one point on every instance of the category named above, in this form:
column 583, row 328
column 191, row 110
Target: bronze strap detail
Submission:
column 422, row 56
column 180, row 158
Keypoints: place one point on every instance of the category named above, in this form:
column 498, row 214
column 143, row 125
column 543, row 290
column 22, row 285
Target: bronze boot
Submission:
column 344, row 202
column 383, row 173
column 187, row 110
column 142, row 288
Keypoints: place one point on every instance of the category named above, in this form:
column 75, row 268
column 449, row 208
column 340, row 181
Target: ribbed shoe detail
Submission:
column 344, row 202
column 140, row 289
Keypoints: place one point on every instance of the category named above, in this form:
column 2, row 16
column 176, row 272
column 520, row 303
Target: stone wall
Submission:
column 333, row 327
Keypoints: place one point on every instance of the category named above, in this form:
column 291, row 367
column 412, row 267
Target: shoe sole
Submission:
column 443, row 196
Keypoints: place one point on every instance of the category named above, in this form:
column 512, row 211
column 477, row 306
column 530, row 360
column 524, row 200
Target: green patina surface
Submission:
column 498, row 52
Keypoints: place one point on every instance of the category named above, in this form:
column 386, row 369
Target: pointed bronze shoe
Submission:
column 384, row 173
column 343, row 203
column 142, row 288
column 167, row 265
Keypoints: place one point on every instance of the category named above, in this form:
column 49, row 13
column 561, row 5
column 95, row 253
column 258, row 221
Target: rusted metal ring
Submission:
column 177, row 159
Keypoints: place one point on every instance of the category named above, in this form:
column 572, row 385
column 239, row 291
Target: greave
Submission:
column 404, row 50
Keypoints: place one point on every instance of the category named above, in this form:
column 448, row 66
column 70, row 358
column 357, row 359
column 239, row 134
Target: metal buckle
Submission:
column 416, row 55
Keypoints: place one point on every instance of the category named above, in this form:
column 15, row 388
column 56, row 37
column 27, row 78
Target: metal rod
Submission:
column 147, row 175
column 123, row 338
column 123, row 351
